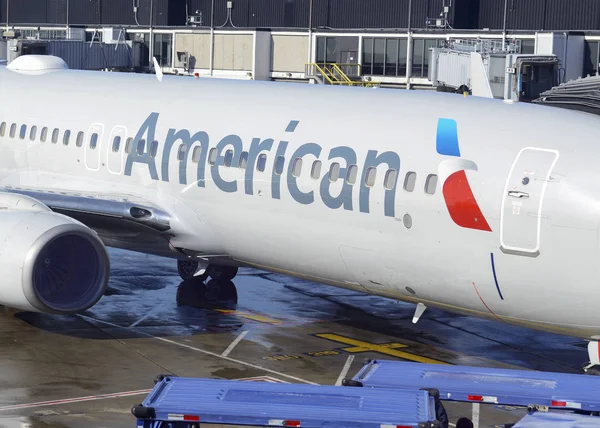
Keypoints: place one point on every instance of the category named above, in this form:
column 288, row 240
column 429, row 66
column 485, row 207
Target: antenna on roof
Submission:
column 159, row 73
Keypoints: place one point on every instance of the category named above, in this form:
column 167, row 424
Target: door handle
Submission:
column 518, row 194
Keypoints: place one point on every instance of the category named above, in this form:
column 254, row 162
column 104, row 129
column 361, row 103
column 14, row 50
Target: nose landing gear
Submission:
column 200, row 270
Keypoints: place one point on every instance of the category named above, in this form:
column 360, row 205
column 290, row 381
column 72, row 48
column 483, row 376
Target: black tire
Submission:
column 222, row 273
column 187, row 269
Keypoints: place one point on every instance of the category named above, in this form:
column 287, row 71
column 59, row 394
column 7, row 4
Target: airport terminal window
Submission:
column 154, row 148
column 79, row 141
column 116, row 143
column 351, row 173
column 591, row 58
column 55, row 135
column 297, row 167
column 228, row 157
column 212, row 156
column 528, row 46
column 334, row 172
column 261, row 164
column 44, row 134
column 128, row 145
column 370, row 176
column 410, row 181
column 279, row 165
column 196, row 154
column 243, row 160
column 163, row 44
column 431, row 184
column 2, row 129
column 13, row 130
column 23, row 132
column 94, row 140
column 384, row 56
column 390, row 179
column 66, row 137
column 315, row 171
column 421, row 56
column 32, row 133
column 181, row 152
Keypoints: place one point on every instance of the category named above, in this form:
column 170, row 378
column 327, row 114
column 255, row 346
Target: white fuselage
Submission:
column 536, row 265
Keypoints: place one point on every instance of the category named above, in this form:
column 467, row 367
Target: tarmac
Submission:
column 89, row 369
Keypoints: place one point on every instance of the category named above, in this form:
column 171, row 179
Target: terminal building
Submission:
column 383, row 42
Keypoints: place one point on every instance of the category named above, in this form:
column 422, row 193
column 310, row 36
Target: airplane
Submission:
column 473, row 205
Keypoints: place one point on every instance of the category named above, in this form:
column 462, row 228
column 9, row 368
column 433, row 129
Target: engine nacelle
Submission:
column 48, row 262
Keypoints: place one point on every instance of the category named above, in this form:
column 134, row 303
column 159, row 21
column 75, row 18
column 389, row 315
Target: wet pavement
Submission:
column 89, row 369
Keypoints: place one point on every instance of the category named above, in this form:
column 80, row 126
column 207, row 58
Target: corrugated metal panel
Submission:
column 573, row 15
column 465, row 14
column 28, row 11
column 85, row 12
column 320, row 13
column 79, row 55
column 299, row 14
column 120, row 12
column 526, row 15
column 56, row 12
column 271, row 13
column 491, row 14
column 177, row 9
column 370, row 14
column 2, row 11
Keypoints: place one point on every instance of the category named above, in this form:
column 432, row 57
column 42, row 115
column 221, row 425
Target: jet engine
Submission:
column 48, row 262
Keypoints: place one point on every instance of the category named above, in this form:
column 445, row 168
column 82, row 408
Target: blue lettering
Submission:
column 305, row 149
column 188, row 141
column 256, row 147
column 147, row 129
column 373, row 160
column 230, row 140
column 345, row 197
column 276, row 178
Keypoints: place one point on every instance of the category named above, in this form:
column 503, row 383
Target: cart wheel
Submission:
column 142, row 412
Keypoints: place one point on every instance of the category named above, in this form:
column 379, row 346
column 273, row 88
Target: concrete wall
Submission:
column 289, row 53
column 198, row 48
column 234, row 52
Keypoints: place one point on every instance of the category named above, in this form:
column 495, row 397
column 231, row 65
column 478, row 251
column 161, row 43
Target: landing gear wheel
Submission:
column 222, row 273
column 188, row 268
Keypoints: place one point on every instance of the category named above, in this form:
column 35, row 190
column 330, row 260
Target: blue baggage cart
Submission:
column 538, row 390
column 177, row 402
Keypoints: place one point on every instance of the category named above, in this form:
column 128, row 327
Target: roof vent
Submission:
column 37, row 64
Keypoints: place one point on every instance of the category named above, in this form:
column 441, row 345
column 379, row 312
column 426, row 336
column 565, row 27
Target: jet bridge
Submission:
column 509, row 75
column 581, row 94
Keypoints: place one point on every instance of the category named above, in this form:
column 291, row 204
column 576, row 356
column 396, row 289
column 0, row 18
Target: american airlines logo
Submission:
column 462, row 205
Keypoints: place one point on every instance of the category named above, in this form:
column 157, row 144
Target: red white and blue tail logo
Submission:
column 462, row 206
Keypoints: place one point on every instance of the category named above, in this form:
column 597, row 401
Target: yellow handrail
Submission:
column 334, row 74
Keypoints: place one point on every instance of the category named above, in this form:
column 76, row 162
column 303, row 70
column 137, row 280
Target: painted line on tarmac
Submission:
column 183, row 345
column 75, row 400
column 344, row 371
column 234, row 343
column 148, row 315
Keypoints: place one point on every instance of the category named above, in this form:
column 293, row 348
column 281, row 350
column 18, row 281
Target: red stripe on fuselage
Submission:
column 461, row 203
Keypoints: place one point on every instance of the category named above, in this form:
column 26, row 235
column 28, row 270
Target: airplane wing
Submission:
column 121, row 221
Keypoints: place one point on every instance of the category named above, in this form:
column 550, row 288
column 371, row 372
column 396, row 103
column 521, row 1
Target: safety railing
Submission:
column 330, row 73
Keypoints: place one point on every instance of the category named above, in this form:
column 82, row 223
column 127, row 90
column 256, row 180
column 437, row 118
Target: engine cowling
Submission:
column 48, row 262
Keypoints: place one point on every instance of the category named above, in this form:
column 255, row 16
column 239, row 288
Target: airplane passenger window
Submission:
column 55, row 135
column 315, row 171
column 261, row 164
column 79, row 141
column 409, row 181
column 181, row 152
column 212, row 156
column 2, row 129
column 33, row 133
column 243, row 160
column 116, row 143
column 141, row 146
column 128, row 145
column 154, row 148
column 370, row 176
column 279, row 165
column 334, row 172
column 13, row 130
column 390, row 179
column 196, row 154
column 228, row 157
column 93, row 140
column 66, row 137
column 44, row 134
column 351, row 173
column 23, row 132
column 431, row 184
column 297, row 167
